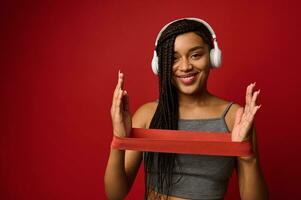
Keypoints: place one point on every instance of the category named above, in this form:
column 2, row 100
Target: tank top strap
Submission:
column 227, row 108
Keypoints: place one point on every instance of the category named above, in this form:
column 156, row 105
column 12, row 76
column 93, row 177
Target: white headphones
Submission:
column 215, row 53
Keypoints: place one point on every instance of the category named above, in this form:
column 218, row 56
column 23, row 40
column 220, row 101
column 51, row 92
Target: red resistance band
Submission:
column 184, row 142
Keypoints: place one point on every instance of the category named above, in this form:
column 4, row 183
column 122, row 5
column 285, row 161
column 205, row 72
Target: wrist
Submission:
column 118, row 133
column 248, row 159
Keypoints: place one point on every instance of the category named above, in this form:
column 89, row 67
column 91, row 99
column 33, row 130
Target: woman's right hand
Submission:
column 121, row 117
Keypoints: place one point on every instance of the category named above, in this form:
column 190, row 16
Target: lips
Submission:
column 187, row 79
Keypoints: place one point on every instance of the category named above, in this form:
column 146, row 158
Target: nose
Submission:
column 185, row 65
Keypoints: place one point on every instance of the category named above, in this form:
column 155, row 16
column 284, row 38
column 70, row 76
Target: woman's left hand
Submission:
column 245, row 116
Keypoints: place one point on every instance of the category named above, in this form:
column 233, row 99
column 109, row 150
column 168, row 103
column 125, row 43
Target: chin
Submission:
column 188, row 90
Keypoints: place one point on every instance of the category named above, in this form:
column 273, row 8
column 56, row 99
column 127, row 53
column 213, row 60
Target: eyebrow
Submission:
column 193, row 48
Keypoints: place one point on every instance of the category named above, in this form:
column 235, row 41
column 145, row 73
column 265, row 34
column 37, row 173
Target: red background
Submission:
column 59, row 63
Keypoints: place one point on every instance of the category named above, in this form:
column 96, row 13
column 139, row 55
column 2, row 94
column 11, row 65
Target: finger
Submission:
column 115, row 94
column 118, row 102
column 256, row 108
column 254, row 98
column 249, row 96
column 118, row 109
column 121, row 77
column 119, row 82
column 125, row 101
column 248, row 93
column 114, row 97
column 118, row 88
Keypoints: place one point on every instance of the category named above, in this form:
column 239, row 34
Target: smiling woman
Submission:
column 186, row 51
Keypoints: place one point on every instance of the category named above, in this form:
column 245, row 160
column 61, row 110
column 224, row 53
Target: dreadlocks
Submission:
column 167, row 112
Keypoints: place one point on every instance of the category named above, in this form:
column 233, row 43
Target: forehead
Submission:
column 186, row 41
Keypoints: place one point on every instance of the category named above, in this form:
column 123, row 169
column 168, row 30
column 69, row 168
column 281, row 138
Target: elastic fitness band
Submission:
column 180, row 141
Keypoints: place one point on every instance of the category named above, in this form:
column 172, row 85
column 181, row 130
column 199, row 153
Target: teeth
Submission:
column 187, row 76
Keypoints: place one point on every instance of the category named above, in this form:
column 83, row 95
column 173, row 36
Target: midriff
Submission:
column 152, row 193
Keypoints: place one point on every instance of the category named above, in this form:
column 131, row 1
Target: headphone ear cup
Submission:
column 155, row 65
column 215, row 57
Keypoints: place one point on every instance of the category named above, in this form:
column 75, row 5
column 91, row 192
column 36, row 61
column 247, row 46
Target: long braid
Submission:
column 166, row 116
column 167, row 112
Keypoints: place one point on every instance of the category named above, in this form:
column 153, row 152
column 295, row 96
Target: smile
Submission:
column 187, row 79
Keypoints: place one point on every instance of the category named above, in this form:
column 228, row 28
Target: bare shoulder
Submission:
column 221, row 105
column 230, row 116
column 144, row 115
column 140, row 119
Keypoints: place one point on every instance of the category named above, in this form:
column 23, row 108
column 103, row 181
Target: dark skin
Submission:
column 195, row 102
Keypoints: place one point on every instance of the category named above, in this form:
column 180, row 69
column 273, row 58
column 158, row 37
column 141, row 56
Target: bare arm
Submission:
column 250, row 177
column 123, row 165
column 121, row 171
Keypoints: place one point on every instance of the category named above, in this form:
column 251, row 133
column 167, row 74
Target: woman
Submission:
column 183, row 65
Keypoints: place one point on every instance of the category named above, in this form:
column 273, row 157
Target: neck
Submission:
column 200, row 98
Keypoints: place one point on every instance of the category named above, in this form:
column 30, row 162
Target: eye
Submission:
column 196, row 56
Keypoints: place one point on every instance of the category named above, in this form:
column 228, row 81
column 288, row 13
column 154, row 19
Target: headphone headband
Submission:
column 189, row 18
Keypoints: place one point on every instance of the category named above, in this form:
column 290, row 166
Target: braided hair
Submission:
column 167, row 113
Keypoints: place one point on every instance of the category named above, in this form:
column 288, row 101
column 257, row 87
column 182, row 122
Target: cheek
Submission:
column 203, row 63
column 174, row 69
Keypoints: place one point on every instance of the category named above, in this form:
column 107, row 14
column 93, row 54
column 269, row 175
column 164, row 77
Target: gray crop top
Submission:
column 200, row 176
